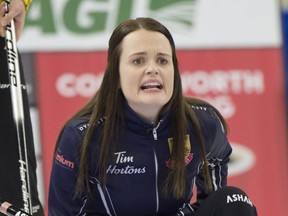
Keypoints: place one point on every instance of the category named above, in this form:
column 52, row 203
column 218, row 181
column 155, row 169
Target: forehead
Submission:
column 143, row 40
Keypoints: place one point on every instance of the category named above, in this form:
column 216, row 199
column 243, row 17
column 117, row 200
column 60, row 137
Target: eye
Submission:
column 138, row 61
column 162, row 61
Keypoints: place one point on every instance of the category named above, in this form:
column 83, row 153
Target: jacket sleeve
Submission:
column 62, row 199
column 218, row 151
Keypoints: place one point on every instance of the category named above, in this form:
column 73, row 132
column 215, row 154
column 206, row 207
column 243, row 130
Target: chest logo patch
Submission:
column 188, row 155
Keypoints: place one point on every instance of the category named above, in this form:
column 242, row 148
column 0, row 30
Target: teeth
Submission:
column 151, row 84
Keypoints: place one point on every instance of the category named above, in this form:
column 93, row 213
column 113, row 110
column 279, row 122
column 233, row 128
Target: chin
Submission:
column 156, row 104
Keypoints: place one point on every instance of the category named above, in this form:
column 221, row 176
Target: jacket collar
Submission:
column 135, row 122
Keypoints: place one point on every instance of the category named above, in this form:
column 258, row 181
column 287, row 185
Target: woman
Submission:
column 139, row 145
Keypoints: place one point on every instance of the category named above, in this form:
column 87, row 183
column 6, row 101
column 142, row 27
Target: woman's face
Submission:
column 146, row 72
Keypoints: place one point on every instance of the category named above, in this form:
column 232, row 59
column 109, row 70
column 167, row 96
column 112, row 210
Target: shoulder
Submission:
column 213, row 125
column 72, row 134
column 69, row 142
column 199, row 105
column 207, row 114
column 209, row 121
column 213, row 129
column 204, row 112
column 80, row 125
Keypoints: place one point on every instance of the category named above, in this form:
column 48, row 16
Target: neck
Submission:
column 150, row 113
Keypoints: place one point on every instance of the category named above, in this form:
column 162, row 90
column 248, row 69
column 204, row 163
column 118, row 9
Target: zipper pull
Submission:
column 154, row 131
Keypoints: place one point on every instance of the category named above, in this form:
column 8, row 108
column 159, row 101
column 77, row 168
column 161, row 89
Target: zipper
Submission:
column 155, row 136
column 156, row 182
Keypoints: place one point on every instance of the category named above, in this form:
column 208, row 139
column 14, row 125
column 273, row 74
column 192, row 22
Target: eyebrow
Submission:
column 145, row 53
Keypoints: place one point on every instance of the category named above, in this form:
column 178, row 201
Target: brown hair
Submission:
column 179, row 107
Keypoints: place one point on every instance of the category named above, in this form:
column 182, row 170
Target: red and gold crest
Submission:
column 188, row 154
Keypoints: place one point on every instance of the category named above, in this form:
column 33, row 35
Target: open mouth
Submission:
column 151, row 86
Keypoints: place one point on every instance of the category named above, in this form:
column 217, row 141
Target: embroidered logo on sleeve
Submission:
column 188, row 155
column 60, row 159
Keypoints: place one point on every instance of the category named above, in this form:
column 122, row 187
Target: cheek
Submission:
column 122, row 78
column 128, row 86
column 170, row 81
column 171, row 89
column 121, row 82
column 126, row 78
column 125, row 83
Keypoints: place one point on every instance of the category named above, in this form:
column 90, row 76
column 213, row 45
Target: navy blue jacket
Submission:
column 142, row 161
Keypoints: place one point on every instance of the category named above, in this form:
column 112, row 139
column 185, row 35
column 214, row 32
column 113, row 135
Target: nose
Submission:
column 151, row 70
